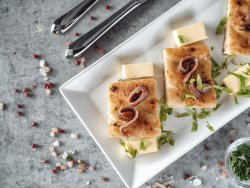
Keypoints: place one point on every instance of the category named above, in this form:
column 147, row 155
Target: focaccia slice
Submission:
column 175, row 89
column 148, row 122
column 237, row 40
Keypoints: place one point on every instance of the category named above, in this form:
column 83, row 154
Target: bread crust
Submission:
column 174, row 79
column 148, row 122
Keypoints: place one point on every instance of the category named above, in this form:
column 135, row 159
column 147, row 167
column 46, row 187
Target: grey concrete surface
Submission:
column 24, row 30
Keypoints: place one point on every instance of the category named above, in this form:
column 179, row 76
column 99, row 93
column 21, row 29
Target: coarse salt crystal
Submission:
column 56, row 143
column 91, row 167
column 233, row 132
column 87, row 183
column 70, row 163
column 51, row 149
column 43, row 73
column 196, row 182
column 54, row 154
column 55, row 130
column 46, row 78
column 52, row 134
column 46, row 69
column 48, row 91
column 74, row 135
column 1, row 106
column 65, row 155
column 72, row 151
column 64, row 167
column 42, row 63
column 58, row 164
column 204, row 168
column 223, row 174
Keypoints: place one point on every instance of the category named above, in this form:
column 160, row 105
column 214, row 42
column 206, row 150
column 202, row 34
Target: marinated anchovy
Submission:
column 137, row 95
column 187, row 66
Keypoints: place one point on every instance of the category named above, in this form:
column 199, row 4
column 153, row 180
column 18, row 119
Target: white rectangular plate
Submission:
column 86, row 93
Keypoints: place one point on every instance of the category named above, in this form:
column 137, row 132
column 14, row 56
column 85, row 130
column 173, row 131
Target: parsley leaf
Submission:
column 181, row 39
column 228, row 59
column 143, row 145
column 195, row 124
column 222, row 88
column 180, row 115
column 164, row 111
column 130, row 152
column 166, row 137
column 221, row 25
column 210, row 127
column 199, row 82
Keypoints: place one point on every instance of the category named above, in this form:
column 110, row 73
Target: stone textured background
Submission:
column 24, row 30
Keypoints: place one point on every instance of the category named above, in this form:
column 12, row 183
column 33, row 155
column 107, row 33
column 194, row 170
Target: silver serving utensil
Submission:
column 84, row 42
column 66, row 21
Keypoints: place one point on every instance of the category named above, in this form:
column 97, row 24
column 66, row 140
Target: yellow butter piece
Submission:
column 151, row 144
column 190, row 34
column 233, row 82
column 137, row 70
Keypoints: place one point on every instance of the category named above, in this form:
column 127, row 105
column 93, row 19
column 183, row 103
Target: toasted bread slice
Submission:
column 174, row 80
column 148, row 123
column 237, row 41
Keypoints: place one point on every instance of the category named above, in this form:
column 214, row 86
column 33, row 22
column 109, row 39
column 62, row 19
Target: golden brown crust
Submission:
column 174, row 80
column 237, row 41
column 148, row 123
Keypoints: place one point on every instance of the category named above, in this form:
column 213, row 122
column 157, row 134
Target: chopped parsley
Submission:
column 222, row 88
column 212, row 48
column 164, row 112
column 221, row 25
column 180, row 115
column 69, row 158
column 195, row 123
column 228, row 59
column 217, row 107
column 130, row 152
column 165, row 138
column 203, row 114
column 143, row 145
column 199, row 82
column 181, row 39
column 216, row 69
column 236, row 99
column 239, row 162
column 210, row 127
column 243, row 88
column 188, row 96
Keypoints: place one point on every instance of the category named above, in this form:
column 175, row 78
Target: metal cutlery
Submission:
column 66, row 21
column 84, row 42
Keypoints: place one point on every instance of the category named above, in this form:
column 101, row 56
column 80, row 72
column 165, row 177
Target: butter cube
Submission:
column 190, row 34
column 151, row 145
column 137, row 70
column 233, row 82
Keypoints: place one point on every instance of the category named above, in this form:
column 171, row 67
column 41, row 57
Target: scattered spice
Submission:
column 221, row 26
column 17, row 91
column 220, row 163
column 1, row 105
column 223, row 174
column 92, row 18
column 34, row 145
column 78, row 62
column 107, row 7
column 56, row 143
column 53, row 171
column 45, row 161
column 74, row 135
column 34, row 124
column 80, row 171
column 69, row 158
column 68, row 44
column 55, row 130
column 76, row 34
column 52, row 134
column 105, row 179
column 205, row 148
column 204, row 167
column 19, row 113
column 35, row 56
column 63, row 167
column 231, row 141
column 61, row 131
column 25, row 90
column 51, row 149
column 233, row 132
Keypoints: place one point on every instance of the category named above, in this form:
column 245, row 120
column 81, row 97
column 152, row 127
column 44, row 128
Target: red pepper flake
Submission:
column 68, row 44
column 107, row 7
column 35, row 56
column 76, row 34
column 34, row 145
column 105, row 179
column 19, row 113
column 34, row 124
column 61, row 131
column 92, row 18
column 231, row 141
column 19, row 106
column 27, row 94
column 99, row 49
column 58, row 168
column 220, row 163
column 205, row 148
column 48, row 85
column 45, row 161
column 53, row 171
column 186, row 176
column 17, row 91
column 78, row 62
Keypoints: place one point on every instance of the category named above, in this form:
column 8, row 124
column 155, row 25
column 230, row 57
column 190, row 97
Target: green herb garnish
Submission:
column 243, row 88
column 188, row 96
column 210, row 127
column 195, row 124
column 228, row 59
column 212, row 48
column 220, row 27
column 130, row 152
column 240, row 162
column 164, row 112
column 216, row 69
column 217, row 107
column 143, row 145
column 203, row 114
column 181, row 39
column 236, row 99
column 222, row 88
column 180, row 115
column 166, row 137
column 199, row 82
